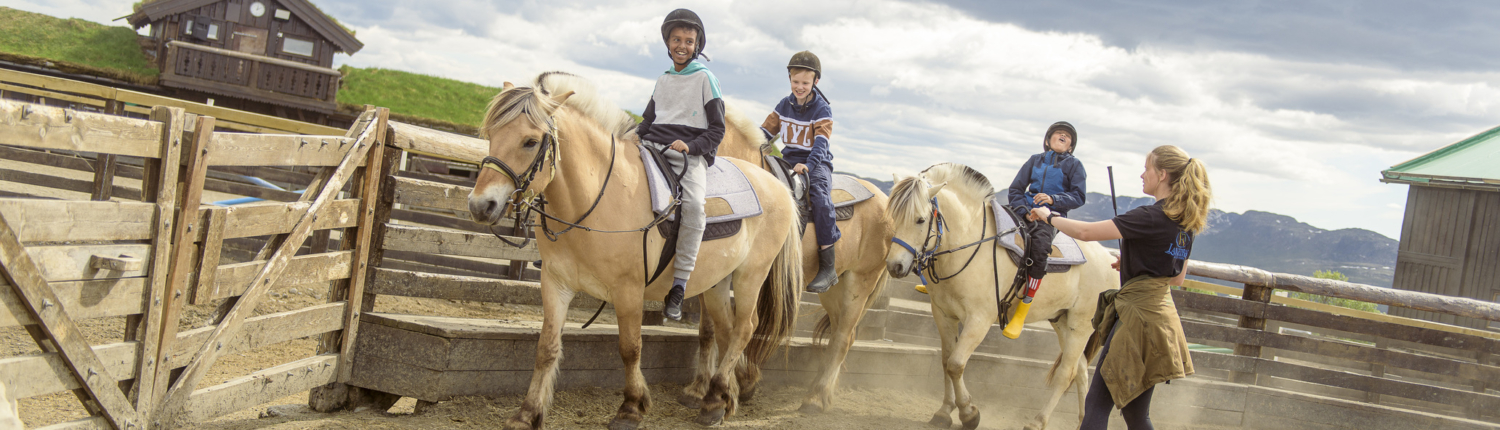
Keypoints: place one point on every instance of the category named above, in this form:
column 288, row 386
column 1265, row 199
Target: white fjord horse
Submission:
column 946, row 207
column 566, row 148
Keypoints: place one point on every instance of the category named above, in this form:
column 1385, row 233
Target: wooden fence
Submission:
column 126, row 263
column 1327, row 350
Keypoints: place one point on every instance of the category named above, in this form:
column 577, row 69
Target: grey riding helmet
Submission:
column 684, row 17
column 1060, row 125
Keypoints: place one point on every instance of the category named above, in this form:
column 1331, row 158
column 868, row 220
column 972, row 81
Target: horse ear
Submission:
column 895, row 178
column 508, row 86
column 933, row 190
column 562, row 98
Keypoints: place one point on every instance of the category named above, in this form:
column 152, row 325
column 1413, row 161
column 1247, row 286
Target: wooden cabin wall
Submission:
column 1450, row 244
column 276, row 30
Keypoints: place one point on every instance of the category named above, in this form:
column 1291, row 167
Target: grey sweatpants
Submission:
column 690, row 232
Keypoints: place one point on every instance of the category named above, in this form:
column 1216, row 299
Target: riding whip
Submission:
column 1112, row 201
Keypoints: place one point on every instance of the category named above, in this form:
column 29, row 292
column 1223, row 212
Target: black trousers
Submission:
column 1098, row 404
column 1038, row 246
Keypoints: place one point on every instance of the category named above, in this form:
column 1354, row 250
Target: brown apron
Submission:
column 1149, row 347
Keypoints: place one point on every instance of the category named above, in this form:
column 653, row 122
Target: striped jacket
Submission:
column 802, row 128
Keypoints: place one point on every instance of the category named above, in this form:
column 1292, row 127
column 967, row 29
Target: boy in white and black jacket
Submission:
column 685, row 119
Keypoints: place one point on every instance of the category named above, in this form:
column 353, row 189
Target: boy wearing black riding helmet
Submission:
column 1053, row 179
column 805, row 123
column 685, row 115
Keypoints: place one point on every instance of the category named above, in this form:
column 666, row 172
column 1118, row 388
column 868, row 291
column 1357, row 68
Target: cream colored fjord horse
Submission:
column 861, row 276
column 567, row 148
column 954, row 199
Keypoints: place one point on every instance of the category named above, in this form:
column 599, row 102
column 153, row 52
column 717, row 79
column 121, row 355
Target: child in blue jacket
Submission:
column 1054, row 179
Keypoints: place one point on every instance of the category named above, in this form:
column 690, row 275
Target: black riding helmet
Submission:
column 1060, row 125
column 681, row 17
column 806, row 60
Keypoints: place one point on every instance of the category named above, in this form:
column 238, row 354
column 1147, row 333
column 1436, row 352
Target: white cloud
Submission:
column 917, row 84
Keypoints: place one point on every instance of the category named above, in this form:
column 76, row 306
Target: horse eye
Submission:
column 921, row 221
column 530, row 143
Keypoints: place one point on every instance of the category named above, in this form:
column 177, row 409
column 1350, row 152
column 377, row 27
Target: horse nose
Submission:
column 484, row 210
column 897, row 269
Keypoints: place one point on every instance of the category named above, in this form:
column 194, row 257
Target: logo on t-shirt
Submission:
column 1182, row 247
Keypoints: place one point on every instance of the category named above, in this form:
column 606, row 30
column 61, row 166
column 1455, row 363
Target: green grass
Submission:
column 73, row 45
column 416, row 95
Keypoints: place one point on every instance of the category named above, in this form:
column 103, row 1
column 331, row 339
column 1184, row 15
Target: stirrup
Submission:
column 921, row 289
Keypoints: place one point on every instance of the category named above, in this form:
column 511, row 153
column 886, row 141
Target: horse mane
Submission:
column 748, row 129
column 514, row 103
column 530, row 101
column 963, row 179
column 908, row 195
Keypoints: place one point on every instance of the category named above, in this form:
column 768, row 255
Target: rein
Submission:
column 527, row 202
column 925, row 260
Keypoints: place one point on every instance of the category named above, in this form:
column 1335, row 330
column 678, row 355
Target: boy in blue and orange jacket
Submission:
column 1055, row 179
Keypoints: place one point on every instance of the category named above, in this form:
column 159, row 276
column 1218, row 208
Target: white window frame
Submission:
column 213, row 31
column 312, row 47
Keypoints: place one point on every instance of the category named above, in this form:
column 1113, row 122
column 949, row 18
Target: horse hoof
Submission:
column 690, row 401
column 973, row 422
column 941, row 421
column 810, row 408
column 710, row 418
column 623, row 424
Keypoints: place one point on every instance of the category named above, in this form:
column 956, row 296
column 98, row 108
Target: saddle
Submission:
column 845, row 191
column 1065, row 252
column 728, row 196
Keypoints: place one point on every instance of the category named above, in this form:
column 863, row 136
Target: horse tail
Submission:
column 780, row 298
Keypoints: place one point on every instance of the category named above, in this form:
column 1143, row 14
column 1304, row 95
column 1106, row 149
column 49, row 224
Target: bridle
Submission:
column 522, row 197
column 925, row 258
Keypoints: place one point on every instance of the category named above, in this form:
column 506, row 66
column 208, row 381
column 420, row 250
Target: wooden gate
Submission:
column 68, row 262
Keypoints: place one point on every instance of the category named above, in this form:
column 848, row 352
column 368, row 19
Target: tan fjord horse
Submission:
column 954, row 199
column 867, row 233
column 568, row 148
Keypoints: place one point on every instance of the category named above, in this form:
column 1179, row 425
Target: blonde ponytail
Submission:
column 1191, row 192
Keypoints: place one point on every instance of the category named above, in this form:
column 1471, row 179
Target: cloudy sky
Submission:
column 1296, row 106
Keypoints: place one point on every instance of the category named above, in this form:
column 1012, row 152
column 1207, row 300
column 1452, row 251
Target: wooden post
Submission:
column 1476, row 411
column 1378, row 370
column 172, row 411
column 337, row 395
column 181, row 260
column 1260, row 294
column 160, row 186
column 104, row 166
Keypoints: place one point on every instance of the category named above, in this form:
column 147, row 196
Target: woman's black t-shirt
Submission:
column 1152, row 244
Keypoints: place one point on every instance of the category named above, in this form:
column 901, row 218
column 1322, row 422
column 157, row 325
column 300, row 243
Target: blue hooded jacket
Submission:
column 1059, row 175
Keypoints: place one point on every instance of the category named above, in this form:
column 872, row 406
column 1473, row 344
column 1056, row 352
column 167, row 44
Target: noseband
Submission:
column 925, row 259
column 922, row 259
column 523, row 181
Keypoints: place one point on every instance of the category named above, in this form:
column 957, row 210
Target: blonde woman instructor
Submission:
column 1142, row 341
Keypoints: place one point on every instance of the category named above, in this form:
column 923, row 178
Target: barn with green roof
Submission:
column 1450, row 238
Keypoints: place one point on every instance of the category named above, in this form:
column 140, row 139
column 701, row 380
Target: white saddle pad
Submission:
column 846, row 191
column 728, row 196
column 1065, row 250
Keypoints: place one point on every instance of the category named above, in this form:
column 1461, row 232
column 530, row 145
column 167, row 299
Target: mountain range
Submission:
column 1269, row 241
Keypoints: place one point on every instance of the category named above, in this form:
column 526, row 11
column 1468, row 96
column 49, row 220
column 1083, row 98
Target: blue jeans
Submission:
column 819, row 185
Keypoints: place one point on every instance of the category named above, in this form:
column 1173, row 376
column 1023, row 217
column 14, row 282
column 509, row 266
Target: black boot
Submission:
column 826, row 278
column 673, row 309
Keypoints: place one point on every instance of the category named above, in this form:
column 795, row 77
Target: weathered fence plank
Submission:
column 235, row 149
column 261, row 219
column 181, row 267
column 438, row 144
column 374, row 177
column 262, row 331
column 82, row 299
column 435, row 195
column 1341, row 351
column 36, row 126
column 234, row 279
column 1459, row 306
column 447, row 242
column 62, row 263
column 263, row 386
column 71, row 221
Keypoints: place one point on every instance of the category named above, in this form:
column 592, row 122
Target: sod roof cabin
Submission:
column 278, row 52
